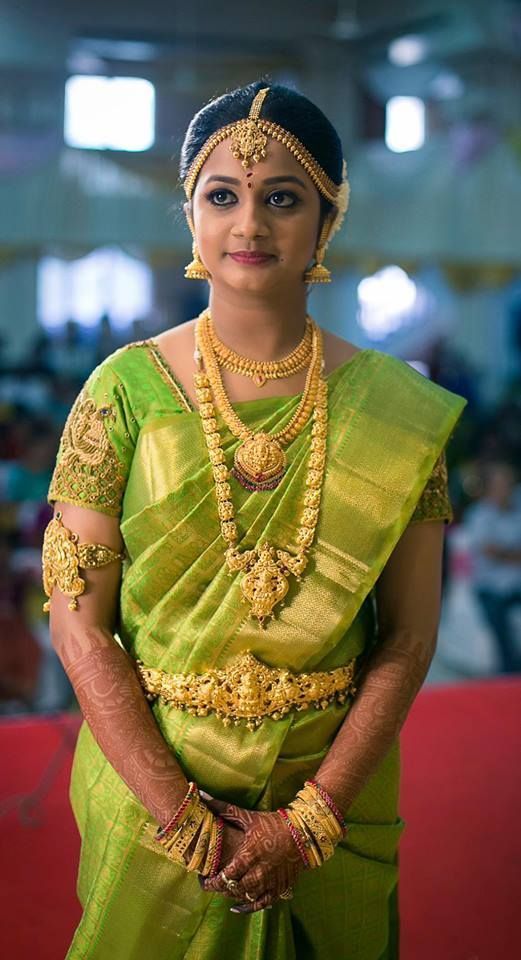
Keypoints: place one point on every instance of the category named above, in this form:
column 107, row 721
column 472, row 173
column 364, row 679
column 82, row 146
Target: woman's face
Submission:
column 271, row 208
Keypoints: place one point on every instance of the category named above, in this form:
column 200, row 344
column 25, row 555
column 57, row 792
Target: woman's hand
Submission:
column 266, row 863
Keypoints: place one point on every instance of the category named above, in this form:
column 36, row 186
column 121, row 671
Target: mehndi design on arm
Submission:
column 63, row 556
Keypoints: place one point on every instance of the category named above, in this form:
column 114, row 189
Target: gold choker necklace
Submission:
column 262, row 370
column 259, row 462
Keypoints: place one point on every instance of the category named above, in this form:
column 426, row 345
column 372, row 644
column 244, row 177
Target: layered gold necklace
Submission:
column 260, row 371
column 266, row 568
column 260, row 461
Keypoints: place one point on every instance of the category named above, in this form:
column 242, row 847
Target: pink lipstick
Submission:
column 252, row 258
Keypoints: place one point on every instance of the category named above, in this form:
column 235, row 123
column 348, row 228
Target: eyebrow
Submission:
column 281, row 179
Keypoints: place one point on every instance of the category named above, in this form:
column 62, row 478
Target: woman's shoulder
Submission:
column 407, row 372
column 124, row 364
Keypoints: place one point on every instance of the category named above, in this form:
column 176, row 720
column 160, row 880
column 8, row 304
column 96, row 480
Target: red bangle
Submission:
column 330, row 802
column 295, row 833
column 163, row 831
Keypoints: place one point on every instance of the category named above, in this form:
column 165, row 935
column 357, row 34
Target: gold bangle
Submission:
column 201, row 848
column 320, row 835
column 177, row 843
column 319, row 808
column 312, row 847
column 214, row 836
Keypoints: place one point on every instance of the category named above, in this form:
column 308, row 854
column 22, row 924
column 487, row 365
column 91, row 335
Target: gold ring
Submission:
column 251, row 899
column 286, row 894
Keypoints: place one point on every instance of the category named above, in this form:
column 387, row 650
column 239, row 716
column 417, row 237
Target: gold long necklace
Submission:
column 266, row 568
column 260, row 461
column 260, row 371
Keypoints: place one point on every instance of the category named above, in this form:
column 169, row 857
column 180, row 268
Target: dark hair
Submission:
column 282, row 105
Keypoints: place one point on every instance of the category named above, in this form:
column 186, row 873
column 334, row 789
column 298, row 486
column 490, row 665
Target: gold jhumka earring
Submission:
column 195, row 270
column 248, row 143
column 318, row 273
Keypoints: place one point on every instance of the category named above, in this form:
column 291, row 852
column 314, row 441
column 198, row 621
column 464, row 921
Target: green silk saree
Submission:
column 181, row 612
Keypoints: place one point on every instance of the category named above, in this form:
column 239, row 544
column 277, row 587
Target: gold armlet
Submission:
column 63, row 556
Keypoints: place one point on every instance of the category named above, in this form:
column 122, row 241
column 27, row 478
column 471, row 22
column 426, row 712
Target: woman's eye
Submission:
column 283, row 198
column 218, row 197
column 226, row 198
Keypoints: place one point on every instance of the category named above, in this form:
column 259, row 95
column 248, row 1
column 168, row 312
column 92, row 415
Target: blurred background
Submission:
column 95, row 99
column 426, row 95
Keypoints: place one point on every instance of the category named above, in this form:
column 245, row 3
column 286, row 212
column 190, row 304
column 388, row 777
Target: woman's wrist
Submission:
column 193, row 834
column 315, row 822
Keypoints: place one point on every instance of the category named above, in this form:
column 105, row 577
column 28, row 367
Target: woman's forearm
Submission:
column 385, row 694
column 117, row 712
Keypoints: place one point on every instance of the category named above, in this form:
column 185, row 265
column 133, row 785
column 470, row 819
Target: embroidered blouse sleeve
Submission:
column 96, row 445
column 434, row 503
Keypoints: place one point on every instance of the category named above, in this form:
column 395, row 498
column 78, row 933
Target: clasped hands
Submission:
column 258, row 853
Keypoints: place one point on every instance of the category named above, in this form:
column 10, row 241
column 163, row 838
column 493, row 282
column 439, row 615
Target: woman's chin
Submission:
column 252, row 279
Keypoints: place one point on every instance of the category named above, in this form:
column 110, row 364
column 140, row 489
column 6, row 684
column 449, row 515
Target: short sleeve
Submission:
column 434, row 503
column 96, row 446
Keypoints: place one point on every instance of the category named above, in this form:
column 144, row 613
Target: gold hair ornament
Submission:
column 63, row 556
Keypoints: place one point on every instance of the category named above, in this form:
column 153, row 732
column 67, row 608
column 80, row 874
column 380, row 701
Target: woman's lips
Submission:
column 253, row 259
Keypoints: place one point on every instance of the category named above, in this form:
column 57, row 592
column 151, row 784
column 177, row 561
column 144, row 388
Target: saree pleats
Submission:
column 182, row 612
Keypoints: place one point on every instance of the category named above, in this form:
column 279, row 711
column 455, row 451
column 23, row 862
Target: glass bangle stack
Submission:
column 194, row 827
column 315, row 823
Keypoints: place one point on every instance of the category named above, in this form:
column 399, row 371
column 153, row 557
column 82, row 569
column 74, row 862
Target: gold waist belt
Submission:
column 247, row 689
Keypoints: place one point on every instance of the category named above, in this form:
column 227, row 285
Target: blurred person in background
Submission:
column 28, row 476
column 493, row 525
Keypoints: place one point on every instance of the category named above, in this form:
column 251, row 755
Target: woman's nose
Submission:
column 250, row 220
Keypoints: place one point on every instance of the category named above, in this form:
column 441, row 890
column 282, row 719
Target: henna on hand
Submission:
column 266, row 863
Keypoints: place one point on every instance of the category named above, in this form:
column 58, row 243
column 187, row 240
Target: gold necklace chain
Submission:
column 260, row 371
column 266, row 569
column 259, row 462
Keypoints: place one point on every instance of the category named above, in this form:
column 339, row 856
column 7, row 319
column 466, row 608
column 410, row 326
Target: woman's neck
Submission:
column 259, row 328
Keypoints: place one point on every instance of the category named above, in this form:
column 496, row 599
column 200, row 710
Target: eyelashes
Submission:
column 212, row 196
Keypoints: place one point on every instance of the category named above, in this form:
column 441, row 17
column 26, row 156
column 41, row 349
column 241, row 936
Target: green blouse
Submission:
column 101, row 430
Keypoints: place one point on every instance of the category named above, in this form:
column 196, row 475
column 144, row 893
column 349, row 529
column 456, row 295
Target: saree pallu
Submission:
column 181, row 612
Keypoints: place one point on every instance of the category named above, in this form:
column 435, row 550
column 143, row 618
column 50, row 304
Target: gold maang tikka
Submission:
column 248, row 143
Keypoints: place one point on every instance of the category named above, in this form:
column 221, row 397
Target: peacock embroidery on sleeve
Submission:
column 88, row 472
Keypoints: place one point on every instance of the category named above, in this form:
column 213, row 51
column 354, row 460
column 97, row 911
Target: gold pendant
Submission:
column 259, row 463
column 265, row 583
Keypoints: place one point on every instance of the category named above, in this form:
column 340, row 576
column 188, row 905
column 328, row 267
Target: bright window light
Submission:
column 406, row 51
column 109, row 113
column 387, row 301
column 405, row 124
column 105, row 281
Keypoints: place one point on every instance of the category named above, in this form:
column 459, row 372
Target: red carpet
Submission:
column 460, row 855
